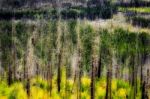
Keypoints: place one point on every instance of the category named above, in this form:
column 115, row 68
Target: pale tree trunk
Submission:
column 60, row 53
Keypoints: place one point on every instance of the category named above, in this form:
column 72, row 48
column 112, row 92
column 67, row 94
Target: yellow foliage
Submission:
column 85, row 81
column 37, row 93
column 85, row 95
column 70, row 82
column 100, row 91
column 73, row 96
column 114, row 85
column 18, row 91
column 121, row 93
column 102, row 84
column 3, row 97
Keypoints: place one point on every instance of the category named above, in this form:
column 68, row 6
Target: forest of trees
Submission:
column 98, row 51
column 73, row 50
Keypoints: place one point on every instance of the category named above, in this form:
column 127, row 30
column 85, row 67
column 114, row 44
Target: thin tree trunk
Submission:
column 59, row 71
column 49, row 73
column 99, row 67
column 93, row 79
column 141, row 73
column 9, row 75
column 51, row 77
column 108, row 86
column 28, row 87
column 80, row 75
column 144, row 92
column 24, row 67
column 14, row 51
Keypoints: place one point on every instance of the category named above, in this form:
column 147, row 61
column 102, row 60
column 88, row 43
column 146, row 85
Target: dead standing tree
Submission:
column 60, row 52
column 14, row 59
column 93, row 78
column 109, row 78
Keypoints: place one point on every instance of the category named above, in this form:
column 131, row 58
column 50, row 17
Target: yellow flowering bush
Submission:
column 121, row 93
column 17, row 91
column 114, row 85
column 85, row 95
column 39, row 89
column 38, row 93
column 100, row 92
column 85, row 81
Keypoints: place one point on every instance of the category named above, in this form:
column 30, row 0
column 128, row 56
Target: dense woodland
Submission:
column 49, row 53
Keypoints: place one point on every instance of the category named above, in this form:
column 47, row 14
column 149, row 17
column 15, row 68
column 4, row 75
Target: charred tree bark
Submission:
column 80, row 73
column 37, row 69
column 51, row 77
column 9, row 75
column 99, row 67
column 135, row 76
column 28, row 87
column 141, row 73
column 49, row 73
column 108, row 86
column 59, row 70
column 93, row 80
column 24, row 67
column 144, row 93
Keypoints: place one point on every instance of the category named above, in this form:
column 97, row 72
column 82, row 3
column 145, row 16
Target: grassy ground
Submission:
column 135, row 9
column 118, row 21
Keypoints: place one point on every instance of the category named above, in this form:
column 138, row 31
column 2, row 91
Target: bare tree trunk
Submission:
column 14, row 51
column 93, row 79
column 135, row 76
column 80, row 73
column 108, row 87
column 144, row 92
column 51, row 77
column 148, row 75
column 49, row 73
column 59, row 71
column 28, row 87
column 24, row 67
column 99, row 67
column 141, row 73
column 9, row 74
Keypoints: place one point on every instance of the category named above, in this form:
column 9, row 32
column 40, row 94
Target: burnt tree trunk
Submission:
column 28, row 87
column 24, row 67
column 9, row 75
column 99, row 67
column 93, row 80
column 59, row 70
column 37, row 69
column 108, row 86
column 144, row 93
column 49, row 73
column 80, row 73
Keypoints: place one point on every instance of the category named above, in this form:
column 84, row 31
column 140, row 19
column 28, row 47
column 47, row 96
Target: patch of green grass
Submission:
column 135, row 9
